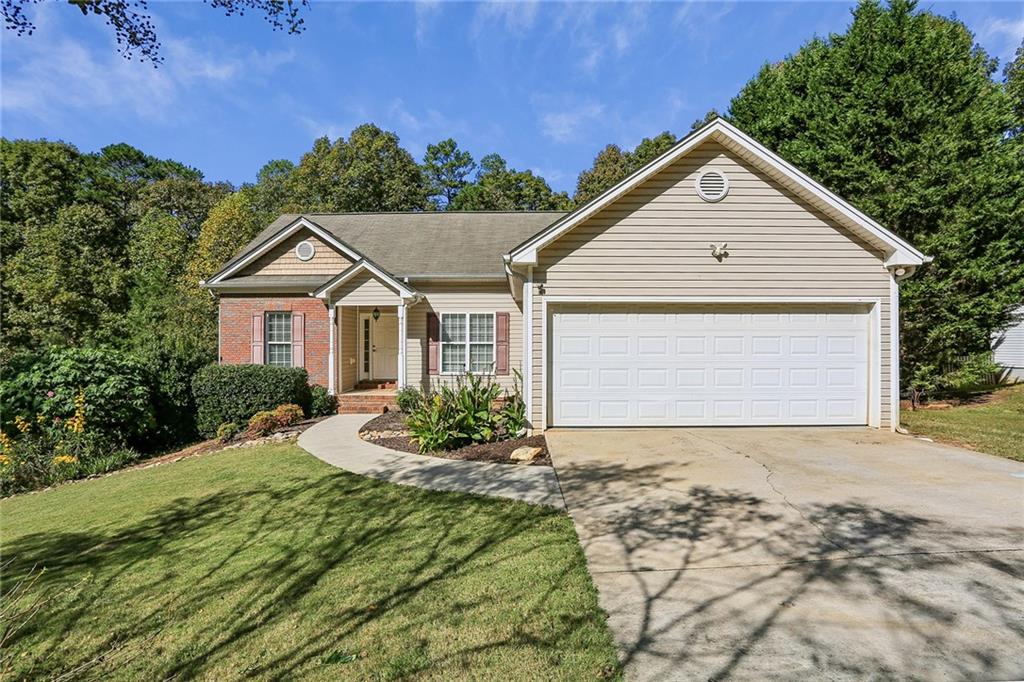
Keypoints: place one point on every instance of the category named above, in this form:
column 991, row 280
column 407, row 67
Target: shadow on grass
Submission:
column 301, row 576
column 701, row 580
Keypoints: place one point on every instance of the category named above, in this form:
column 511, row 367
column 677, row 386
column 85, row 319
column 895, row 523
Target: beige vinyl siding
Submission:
column 460, row 298
column 281, row 259
column 655, row 241
column 348, row 322
column 365, row 289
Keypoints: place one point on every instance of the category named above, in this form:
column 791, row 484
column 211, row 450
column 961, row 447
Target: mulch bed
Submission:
column 484, row 452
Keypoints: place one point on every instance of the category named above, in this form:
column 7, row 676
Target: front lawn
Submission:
column 265, row 562
column 995, row 425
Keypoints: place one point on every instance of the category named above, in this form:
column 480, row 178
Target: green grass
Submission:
column 996, row 427
column 266, row 563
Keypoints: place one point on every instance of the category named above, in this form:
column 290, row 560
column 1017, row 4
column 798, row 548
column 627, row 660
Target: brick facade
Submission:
column 236, row 311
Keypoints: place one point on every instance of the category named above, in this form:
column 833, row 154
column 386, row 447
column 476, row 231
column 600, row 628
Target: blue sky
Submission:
column 544, row 84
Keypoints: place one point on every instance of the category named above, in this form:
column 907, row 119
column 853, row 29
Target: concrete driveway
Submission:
column 817, row 553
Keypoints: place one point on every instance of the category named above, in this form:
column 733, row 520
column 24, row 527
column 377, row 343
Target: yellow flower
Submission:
column 6, row 442
column 4, row 460
column 23, row 424
column 64, row 459
column 76, row 424
column 40, row 419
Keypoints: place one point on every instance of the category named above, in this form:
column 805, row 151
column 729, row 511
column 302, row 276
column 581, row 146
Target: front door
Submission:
column 382, row 348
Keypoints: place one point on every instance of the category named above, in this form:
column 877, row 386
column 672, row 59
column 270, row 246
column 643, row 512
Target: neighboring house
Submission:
column 718, row 285
column 1008, row 350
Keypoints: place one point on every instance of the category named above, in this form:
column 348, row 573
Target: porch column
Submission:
column 401, row 345
column 331, row 315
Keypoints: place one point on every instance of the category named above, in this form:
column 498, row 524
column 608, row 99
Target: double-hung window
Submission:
column 467, row 343
column 279, row 339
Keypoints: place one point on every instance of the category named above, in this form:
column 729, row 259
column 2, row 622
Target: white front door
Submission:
column 679, row 366
column 379, row 346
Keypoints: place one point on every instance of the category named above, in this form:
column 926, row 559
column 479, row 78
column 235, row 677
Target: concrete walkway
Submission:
column 337, row 442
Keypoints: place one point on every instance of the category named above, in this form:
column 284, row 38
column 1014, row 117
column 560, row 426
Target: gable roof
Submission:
column 896, row 250
column 417, row 245
column 403, row 290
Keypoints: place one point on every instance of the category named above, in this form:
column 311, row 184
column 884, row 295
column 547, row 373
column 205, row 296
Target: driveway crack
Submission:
column 768, row 480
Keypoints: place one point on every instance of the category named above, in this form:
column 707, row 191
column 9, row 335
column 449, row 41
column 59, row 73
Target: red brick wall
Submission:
column 236, row 313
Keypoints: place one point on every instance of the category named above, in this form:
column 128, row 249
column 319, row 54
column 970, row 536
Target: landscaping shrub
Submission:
column 234, row 393
column 321, row 402
column 172, row 369
column 454, row 416
column 288, row 414
column 46, row 450
column 115, row 388
column 262, row 423
column 408, row 398
column 227, row 431
column 513, row 409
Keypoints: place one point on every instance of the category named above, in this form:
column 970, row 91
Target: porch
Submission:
column 366, row 362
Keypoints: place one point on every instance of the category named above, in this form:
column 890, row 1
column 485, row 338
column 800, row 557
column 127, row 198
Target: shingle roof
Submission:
column 434, row 244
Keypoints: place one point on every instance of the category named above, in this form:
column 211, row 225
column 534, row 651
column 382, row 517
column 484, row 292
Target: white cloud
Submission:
column 50, row 75
column 566, row 124
column 515, row 16
column 426, row 12
column 1003, row 35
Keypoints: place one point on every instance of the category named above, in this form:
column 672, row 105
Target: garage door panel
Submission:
column 623, row 367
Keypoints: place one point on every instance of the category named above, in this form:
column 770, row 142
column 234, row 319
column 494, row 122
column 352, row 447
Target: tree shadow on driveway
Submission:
column 711, row 582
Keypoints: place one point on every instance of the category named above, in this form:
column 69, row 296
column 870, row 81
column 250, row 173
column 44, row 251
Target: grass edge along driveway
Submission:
column 265, row 562
column 995, row 426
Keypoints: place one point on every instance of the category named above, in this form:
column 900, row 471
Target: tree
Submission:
column 70, row 282
column 134, row 28
column 187, row 200
column 612, row 165
column 1013, row 76
column 900, row 115
column 270, row 195
column 446, row 167
column 369, row 171
column 500, row 188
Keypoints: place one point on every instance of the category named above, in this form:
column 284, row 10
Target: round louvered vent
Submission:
column 304, row 250
column 712, row 185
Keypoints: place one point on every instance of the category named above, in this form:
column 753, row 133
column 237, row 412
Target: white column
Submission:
column 331, row 315
column 401, row 345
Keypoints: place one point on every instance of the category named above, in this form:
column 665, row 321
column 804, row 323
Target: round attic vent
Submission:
column 304, row 250
column 712, row 185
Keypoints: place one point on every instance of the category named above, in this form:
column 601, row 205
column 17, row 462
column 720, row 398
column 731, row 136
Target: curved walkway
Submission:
column 337, row 442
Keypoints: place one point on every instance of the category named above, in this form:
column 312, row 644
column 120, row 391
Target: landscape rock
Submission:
column 525, row 454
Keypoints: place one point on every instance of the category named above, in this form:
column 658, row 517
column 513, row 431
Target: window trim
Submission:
column 267, row 343
column 466, row 342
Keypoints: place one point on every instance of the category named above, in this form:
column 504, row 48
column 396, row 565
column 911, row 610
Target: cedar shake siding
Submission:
column 236, row 329
column 281, row 259
column 655, row 241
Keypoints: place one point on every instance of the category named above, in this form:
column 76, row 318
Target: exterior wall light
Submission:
column 376, row 314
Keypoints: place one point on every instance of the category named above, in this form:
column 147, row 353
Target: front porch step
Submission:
column 366, row 403
column 376, row 385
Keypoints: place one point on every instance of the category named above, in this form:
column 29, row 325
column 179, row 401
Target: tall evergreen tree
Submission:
column 447, row 167
column 900, row 115
column 500, row 188
column 612, row 164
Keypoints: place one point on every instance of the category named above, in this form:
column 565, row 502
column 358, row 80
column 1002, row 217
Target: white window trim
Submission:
column 267, row 343
column 466, row 343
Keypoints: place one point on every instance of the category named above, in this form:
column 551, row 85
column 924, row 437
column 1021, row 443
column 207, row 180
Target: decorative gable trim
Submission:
column 398, row 287
column 897, row 251
column 290, row 229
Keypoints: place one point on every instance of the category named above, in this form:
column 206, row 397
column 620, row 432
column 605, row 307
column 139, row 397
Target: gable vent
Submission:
column 304, row 250
column 712, row 185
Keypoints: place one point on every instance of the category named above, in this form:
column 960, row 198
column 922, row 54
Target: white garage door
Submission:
column 674, row 366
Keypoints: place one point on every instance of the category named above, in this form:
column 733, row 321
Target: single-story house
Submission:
column 718, row 285
column 1008, row 349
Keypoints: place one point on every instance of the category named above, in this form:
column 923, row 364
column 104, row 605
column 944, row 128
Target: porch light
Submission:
column 376, row 314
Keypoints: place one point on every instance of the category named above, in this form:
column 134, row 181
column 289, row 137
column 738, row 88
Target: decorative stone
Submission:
column 525, row 454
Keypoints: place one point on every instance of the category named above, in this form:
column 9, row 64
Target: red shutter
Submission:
column 257, row 338
column 433, row 344
column 501, row 343
column 298, row 340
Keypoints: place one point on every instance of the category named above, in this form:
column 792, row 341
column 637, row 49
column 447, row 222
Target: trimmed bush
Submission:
column 262, row 423
column 234, row 393
column 227, row 431
column 322, row 403
column 286, row 415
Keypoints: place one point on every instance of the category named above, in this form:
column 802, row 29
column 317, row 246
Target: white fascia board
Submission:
column 384, row 277
column 527, row 252
column 296, row 225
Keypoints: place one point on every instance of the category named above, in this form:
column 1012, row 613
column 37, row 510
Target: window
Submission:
column 279, row 339
column 366, row 346
column 467, row 342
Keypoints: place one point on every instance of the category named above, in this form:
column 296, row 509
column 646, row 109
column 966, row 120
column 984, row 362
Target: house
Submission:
column 1008, row 349
column 718, row 285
